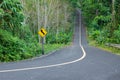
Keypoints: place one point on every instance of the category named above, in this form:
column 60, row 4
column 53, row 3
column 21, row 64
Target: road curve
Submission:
column 76, row 62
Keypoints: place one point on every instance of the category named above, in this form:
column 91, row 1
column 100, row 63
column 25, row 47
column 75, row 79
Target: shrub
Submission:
column 100, row 21
column 10, row 45
column 116, row 38
column 59, row 38
column 94, row 34
column 13, row 48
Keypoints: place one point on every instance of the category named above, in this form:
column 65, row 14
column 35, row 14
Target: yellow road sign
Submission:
column 42, row 32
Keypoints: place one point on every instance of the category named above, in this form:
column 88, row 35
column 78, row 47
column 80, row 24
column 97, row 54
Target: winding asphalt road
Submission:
column 76, row 62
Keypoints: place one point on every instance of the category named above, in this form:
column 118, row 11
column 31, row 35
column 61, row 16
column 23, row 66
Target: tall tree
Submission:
column 113, row 15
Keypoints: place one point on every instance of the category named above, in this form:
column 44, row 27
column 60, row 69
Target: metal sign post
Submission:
column 42, row 46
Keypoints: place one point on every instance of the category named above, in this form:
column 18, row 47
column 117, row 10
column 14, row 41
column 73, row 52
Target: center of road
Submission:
column 54, row 65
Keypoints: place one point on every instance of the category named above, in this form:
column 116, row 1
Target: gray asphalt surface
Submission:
column 97, row 65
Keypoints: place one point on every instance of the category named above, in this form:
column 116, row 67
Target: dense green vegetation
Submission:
column 102, row 19
column 20, row 21
column 16, row 39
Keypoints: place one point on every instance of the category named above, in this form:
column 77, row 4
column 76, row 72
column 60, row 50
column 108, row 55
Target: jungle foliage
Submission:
column 102, row 19
column 20, row 21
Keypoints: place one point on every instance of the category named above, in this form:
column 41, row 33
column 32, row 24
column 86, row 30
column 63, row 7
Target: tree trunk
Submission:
column 57, row 14
column 113, row 13
column 38, row 16
column 45, row 18
column 113, row 17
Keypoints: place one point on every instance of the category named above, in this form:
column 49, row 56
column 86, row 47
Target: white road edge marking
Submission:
column 55, row 65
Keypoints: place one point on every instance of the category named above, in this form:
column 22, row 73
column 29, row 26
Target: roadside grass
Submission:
column 104, row 47
column 53, row 47
column 47, row 49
